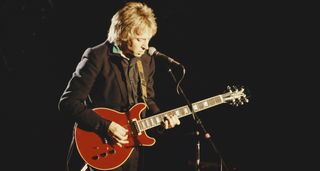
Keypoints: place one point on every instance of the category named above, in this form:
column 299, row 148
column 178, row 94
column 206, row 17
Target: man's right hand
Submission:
column 118, row 133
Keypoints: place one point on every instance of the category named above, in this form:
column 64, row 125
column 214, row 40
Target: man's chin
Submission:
column 138, row 55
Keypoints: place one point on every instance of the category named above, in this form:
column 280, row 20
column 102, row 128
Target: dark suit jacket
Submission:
column 99, row 76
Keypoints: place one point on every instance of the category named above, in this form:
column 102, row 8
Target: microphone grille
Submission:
column 151, row 51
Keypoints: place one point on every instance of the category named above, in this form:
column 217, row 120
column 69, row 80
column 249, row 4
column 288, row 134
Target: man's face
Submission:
column 139, row 43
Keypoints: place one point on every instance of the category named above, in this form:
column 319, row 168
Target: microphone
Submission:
column 153, row 52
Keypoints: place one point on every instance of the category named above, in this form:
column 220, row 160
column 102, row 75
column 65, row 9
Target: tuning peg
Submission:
column 236, row 102
column 247, row 100
column 229, row 88
column 242, row 99
column 240, row 102
column 235, row 88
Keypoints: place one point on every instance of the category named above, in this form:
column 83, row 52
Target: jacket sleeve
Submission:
column 72, row 101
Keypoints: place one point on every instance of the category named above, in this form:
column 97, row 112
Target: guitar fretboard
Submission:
column 153, row 121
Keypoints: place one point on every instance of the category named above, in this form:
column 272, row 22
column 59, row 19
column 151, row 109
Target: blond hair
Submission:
column 132, row 19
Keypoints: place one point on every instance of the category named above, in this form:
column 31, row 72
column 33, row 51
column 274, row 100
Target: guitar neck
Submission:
column 153, row 121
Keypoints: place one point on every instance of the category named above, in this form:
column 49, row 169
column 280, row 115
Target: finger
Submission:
column 119, row 144
column 165, row 124
column 176, row 120
column 171, row 122
column 121, row 135
column 121, row 141
column 114, row 128
column 121, row 129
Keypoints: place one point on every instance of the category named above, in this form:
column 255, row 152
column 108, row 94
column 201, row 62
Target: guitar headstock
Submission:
column 235, row 96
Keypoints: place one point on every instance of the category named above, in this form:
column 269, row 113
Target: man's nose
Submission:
column 145, row 47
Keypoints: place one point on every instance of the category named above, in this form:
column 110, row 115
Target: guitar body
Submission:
column 101, row 154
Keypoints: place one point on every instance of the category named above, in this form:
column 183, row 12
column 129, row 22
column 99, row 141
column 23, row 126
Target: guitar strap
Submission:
column 143, row 84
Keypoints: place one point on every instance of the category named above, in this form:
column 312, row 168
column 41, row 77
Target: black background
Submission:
column 225, row 43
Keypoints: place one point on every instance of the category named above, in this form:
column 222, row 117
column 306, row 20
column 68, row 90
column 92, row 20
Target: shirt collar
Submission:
column 117, row 50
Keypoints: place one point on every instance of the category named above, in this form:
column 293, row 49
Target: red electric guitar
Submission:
column 97, row 152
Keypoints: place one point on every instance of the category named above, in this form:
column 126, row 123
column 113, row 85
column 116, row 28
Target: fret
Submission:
column 147, row 122
column 169, row 113
column 181, row 111
column 157, row 119
column 205, row 104
column 140, row 125
column 161, row 116
column 195, row 107
column 143, row 125
column 201, row 105
column 177, row 113
column 153, row 121
column 215, row 100
column 186, row 110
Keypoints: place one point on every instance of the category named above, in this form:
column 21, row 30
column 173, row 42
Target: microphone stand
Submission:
column 199, row 126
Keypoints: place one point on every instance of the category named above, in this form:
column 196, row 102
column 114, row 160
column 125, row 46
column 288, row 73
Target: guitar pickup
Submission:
column 135, row 126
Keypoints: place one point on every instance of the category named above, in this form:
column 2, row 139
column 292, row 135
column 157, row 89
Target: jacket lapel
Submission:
column 116, row 64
